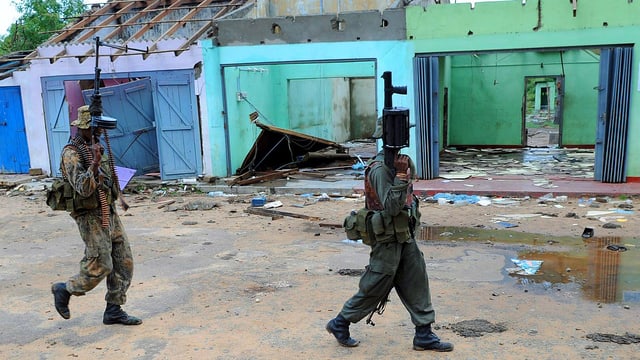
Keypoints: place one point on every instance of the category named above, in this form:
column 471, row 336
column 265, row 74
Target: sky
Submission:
column 10, row 14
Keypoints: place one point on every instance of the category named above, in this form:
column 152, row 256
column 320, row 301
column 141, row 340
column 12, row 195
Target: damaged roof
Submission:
column 122, row 22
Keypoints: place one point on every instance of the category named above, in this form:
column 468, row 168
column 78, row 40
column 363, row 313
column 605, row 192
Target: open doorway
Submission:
column 542, row 115
column 484, row 131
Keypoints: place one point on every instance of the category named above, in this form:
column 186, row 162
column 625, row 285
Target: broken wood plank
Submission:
column 166, row 203
column 161, row 204
column 269, row 212
column 270, row 176
column 330, row 225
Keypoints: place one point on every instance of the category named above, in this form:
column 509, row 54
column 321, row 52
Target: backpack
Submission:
column 60, row 195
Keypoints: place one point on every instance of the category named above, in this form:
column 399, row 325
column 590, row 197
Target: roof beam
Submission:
column 207, row 26
column 79, row 26
column 129, row 22
column 90, row 33
column 177, row 25
column 145, row 28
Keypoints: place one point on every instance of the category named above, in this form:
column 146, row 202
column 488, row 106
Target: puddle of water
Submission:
column 607, row 269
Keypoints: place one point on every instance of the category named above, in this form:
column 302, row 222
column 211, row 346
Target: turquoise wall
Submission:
column 522, row 27
column 291, row 96
column 294, row 61
column 486, row 92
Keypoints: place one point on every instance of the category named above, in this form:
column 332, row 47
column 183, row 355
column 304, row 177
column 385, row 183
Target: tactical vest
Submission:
column 387, row 228
column 80, row 203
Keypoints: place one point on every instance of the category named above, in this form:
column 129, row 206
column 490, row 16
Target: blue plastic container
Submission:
column 258, row 201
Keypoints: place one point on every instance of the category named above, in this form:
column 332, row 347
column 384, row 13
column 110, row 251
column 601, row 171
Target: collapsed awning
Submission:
column 276, row 148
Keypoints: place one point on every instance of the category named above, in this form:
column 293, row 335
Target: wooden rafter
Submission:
column 206, row 27
column 90, row 33
column 79, row 26
column 175, row 27
column 145, row 28
column 131, row 21
column 112, row 11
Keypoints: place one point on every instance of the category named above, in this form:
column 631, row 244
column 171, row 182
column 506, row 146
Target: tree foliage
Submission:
column 38, row 18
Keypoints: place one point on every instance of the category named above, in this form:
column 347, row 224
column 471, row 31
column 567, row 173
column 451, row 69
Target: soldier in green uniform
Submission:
column 107, row 252
column 395, row 260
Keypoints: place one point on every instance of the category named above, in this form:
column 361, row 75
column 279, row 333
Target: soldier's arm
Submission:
column 391, row 191
column 82, row 180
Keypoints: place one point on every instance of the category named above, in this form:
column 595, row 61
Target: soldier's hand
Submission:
column 97, row 151
column 95, row 108
column 401, row 164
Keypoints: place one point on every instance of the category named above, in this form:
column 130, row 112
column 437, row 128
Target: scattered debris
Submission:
column 525, row 267
column 587, row 232
column 277, row 148
column 614, row 247
column 625, row 339
column 351, row 272
column 278, row 214
column 507, row 225
column 476, row 328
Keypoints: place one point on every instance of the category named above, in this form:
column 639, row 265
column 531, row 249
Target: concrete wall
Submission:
column 350, row 59
column 310, row 98
column 31, row 86
column 486, row 92
column 526, row 27
column 361, row 26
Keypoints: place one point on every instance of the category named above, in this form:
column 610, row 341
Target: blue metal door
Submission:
column 14, row 152
column 56, row 114
column 133, row 143
column 613, row 115
column 178, row 127
column 426, row 84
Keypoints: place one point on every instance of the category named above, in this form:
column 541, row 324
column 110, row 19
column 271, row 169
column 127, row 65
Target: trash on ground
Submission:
column 258, row 201
column 611, row 226
column 587, row 232
column 476, row 328
column 507, row 225
column 353, row 242
column 525, row 267
column 625, row 339
column 614, row 247
column 273, row 204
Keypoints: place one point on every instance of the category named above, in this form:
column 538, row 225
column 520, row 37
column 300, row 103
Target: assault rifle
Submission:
column 395, row 122
column 106, row 122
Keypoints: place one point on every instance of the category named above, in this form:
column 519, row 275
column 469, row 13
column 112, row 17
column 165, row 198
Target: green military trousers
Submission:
column 398, row 265
column 107, row 254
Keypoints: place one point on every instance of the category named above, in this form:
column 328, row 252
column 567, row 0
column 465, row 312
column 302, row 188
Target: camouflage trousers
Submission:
column 107, row 254
column 393, row 265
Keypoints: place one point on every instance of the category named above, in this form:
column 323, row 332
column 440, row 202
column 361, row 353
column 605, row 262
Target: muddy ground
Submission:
column 220, row 283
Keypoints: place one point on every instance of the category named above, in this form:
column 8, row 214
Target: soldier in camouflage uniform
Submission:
column 395, row 260
column 107, row 253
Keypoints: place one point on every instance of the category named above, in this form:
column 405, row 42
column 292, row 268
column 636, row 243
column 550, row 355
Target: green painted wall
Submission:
column 486, row 92
column 532, row 28
column 273, row 90
column 358, row 59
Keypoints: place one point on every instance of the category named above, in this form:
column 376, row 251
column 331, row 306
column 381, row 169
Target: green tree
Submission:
column 38, row 18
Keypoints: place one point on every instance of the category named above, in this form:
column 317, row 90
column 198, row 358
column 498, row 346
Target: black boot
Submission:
column 425, row 339
column 339, row 327
column 114, row 314
column 61, row 299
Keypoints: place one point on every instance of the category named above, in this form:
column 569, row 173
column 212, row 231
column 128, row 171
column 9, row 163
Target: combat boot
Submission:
column 339, row 327
column 61, row 299
column 425, row 339
column 114, row 314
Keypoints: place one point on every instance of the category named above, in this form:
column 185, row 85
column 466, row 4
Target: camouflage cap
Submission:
column 377, row 134
column 84, row 118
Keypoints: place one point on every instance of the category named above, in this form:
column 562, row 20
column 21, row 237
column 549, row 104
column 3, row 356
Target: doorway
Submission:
column 542, row 115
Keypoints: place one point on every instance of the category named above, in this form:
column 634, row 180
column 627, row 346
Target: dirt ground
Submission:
column 221, row 283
